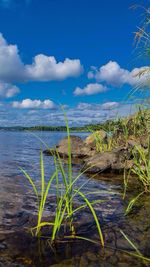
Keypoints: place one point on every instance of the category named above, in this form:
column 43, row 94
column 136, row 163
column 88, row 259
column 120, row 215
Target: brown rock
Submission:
column 78, row 148
column 115, row 161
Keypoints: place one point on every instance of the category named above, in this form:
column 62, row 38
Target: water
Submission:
column 22, row 149
column 17, row 203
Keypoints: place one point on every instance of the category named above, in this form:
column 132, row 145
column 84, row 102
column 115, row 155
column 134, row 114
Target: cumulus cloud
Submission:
column 7, row 90
column 46, row 68
column 11, row 66
column 43, row 68
column 34, row 104
column 90, row 89
column 114, row 75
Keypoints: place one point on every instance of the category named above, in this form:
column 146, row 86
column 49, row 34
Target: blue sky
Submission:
column 79, row 53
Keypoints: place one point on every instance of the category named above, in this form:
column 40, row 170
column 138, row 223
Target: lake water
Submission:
column 22, row 149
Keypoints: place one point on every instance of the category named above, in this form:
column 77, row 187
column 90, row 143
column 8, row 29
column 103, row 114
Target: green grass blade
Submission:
column 43, row 224
column 31, row 182
column 82, row 238
column 132, row 203
column 131, row 243
column 85, row 205
column 48, row 187
column 42, row 177
column 95, row 217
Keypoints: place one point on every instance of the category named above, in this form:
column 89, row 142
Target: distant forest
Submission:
column 107, row 126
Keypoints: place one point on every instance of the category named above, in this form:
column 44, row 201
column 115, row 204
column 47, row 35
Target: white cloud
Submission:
column 90, row 89
column 110, row 105
column 114, row 75
column 7, row 90
column 105, row 106
column 11, row 66
column 43, row 68
column 46, row 68
column 34, row 104
column 82, row 106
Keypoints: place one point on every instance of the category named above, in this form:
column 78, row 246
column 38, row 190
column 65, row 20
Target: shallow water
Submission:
column 17, row 204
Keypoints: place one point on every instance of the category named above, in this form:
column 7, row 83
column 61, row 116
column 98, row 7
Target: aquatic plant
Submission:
column 66, row 192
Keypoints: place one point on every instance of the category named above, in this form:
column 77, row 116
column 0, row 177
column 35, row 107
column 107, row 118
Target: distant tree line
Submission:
column 107, row 126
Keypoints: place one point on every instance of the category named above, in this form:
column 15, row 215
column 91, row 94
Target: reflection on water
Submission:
column 17, row 205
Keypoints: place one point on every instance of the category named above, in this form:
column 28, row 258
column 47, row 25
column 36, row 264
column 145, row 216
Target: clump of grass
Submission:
column 141, row 168
column 133, row 126
column 123, row 128
column 138, row 124
column 141, row 124
column 65, row 198
column 101, row 144
column 141, row 165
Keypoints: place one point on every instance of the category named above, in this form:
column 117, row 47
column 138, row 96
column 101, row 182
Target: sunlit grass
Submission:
column 101, row 144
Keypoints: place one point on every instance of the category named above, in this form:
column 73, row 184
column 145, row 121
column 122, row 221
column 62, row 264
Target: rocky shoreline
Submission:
column 116, row 160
